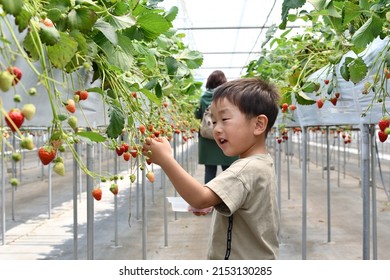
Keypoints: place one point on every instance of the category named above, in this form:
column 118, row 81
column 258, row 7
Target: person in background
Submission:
column 245, row 222
column 209, row 154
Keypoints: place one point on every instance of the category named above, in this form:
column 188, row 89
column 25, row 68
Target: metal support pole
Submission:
column 365, row 170
column 144, row 221
column 3, row 175
column 304, row 194
column 163, row 185
column 328, row 183
column 373, row 197
column 288, row 168
column 90, row 205
column 75, row 221
column 115, row 204
column 49, row 176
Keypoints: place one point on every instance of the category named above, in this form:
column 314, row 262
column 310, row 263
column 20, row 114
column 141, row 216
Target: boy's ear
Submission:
column 261, row 124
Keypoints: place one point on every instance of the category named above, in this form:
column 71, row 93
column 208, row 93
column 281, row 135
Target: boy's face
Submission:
column 234, row 133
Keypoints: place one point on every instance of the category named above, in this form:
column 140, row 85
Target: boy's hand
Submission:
column 157, row 151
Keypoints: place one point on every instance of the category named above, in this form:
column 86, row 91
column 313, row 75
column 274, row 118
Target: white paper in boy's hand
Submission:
column 180, row 205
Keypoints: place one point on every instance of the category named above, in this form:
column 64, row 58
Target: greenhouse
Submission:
column 85, row 83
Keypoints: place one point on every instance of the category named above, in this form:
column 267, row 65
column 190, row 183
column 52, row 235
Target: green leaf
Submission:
column 367, row 32
column 152, row 97
column 22, row 19
column 358, row 70
column 344, row 70
column 172, row 13
column 61, row 53
column 171, row 64
column 117, row 122
column 93, row 136
column 29, row 45
column 193, row 59
column 82, row 19
column 13, row 7
column 121, row 22
column 351, row 11
column 303, row 99
column 108, row 31
column 286, row 6
column 310, row 87
column 158, row 90
column 150, row 60
column 153, row 24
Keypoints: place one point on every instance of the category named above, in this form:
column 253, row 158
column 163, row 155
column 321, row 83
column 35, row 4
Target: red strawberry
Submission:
column 16, row 72
column 46, row 154
column 334, row 100
column 150, row 176
column 284, row 107
column 126, row 156
column 293, row 107
column 337, row 94
column 114, row 189
column 47, row 22
column 134, row 152
column 165, row 104
column 142, row 129
column 83, row 94
column 384, row 123
column 70, row 105
column 97, row 193
column 326, row 81
column 119, row 150
column 382, row 136
column 125, row 147
column 320, row 103
column 17, row 118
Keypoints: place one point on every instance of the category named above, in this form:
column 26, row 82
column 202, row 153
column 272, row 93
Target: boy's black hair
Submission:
column 252, row 96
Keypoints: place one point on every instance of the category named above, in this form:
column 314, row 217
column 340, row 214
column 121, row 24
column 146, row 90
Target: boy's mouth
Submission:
column 222, row 140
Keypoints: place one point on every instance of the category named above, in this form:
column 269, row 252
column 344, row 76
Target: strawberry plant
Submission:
column 337, row 34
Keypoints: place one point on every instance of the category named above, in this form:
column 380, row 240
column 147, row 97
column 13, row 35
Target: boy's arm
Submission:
column 195, row 193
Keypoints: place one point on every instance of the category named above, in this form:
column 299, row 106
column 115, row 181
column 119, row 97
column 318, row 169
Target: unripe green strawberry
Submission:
column 114, row 189
column 27, row 143
column 6, row 79
column 132, row 178
column 32, row 91
column 14, row 182
column 17, row 98
column 16, row 157
column 59, row 168
column 28, row 111
column 72, row 121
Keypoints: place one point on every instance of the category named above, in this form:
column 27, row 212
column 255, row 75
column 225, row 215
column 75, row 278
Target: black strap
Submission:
column 229, row 238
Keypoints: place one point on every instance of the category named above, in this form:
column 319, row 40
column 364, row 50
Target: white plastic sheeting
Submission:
column 352, row 103
column 92, row 107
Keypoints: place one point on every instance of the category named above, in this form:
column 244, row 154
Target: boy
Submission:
column 245, row 221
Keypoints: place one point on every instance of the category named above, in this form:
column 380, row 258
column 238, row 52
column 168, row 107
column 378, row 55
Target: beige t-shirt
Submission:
column 248, row 191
